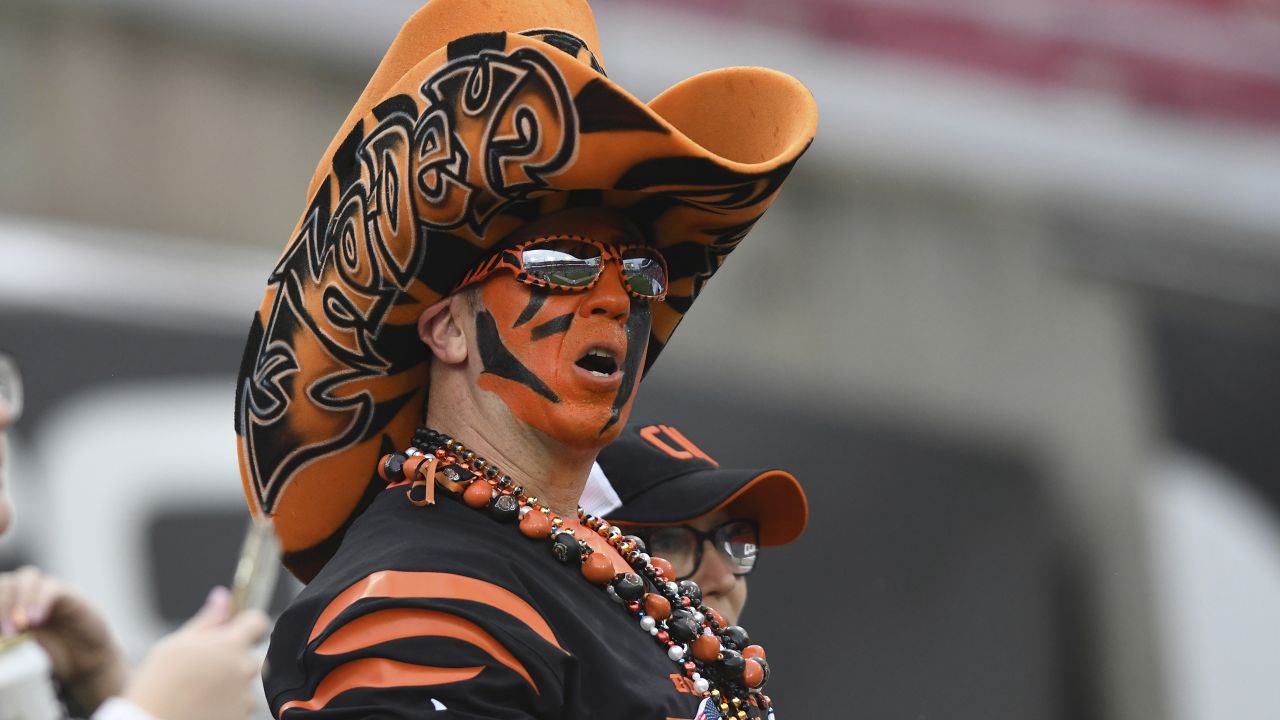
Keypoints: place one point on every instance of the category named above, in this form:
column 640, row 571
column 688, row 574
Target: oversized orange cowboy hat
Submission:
column 481, row 117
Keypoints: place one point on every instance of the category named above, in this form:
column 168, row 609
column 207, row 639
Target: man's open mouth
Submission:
column 598, row 362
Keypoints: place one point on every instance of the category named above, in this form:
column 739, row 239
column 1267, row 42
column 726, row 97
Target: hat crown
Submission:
column 565, row 24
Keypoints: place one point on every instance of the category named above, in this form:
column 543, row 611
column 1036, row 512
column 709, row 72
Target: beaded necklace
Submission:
column 719, row 661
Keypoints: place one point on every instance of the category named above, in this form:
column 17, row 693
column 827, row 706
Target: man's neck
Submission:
column 546, row 469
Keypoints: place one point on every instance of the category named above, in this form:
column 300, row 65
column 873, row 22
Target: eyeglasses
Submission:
column 573, row 263
column 10, row 391
column 681, row 545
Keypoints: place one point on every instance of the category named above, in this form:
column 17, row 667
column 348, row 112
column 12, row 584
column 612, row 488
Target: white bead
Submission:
column 524, row 510
column 653, row 631
column 412, row 451
column 644, row 558
column 676, row 652
column 673, row 588
column 647, row 623
column 695, row 677
column 701, row 685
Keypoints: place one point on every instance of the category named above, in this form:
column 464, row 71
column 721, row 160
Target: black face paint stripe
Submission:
column 554, row 326
column 637, row 329
column 496, row 359
column 537, row 297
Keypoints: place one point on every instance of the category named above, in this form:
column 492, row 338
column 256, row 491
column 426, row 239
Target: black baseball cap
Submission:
column 662, row 478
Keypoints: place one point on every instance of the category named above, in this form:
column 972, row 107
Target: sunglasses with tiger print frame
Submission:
column 573, row 263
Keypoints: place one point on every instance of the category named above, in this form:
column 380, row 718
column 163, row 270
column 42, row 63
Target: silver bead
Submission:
column 699, row 618
column 647, row 623
column 673, row 588
column 524, row 510
column 676, row 652
column 644, row 558
column 653, row 631
column 412, row 451
column 701, row 685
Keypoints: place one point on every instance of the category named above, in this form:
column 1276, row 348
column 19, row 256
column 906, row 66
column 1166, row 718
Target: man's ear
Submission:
column 441, row 329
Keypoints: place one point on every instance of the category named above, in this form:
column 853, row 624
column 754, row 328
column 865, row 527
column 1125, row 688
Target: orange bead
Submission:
column 662, row 564
column 656, row 606
column 597, row 569
column 753, row 651
column 715, row 615
column 411, row 466
column 478, row 495
column 535, row 525
column 707, row 648
column 382, row 467
column 752, row 674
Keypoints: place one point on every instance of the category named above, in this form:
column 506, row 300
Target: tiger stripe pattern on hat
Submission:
column 473, row 141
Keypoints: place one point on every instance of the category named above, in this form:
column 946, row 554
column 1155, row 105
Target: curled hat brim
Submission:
column 773, row 498
column 430, row 172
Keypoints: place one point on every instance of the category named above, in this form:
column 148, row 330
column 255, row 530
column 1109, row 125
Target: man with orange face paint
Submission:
column 499, row 241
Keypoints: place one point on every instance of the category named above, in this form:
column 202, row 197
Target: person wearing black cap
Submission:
column 707, row 521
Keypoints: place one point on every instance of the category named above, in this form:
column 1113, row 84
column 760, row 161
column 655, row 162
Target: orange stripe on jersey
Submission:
column 377, row 673
column 434, row 586
column 386, row 625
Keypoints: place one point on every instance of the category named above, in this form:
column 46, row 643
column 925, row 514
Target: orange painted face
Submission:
column 566, row 363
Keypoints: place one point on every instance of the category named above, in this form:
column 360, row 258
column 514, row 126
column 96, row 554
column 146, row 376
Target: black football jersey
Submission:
column 442, row 611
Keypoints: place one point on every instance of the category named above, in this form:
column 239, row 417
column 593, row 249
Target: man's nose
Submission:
column 714, row 574
column 609, row 297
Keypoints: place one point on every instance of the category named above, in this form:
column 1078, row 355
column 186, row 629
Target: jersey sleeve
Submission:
column 401, row 644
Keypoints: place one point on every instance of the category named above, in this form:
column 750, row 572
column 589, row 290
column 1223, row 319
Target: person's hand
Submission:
column 85, row 657
column 204, row 670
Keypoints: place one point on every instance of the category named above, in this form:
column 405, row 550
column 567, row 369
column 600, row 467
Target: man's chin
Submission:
column 588, row 426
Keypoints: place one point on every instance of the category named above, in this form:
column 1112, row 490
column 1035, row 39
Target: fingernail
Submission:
column 218, row 595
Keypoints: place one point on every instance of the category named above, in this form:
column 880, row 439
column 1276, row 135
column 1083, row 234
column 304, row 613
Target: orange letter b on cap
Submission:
column 689, row 451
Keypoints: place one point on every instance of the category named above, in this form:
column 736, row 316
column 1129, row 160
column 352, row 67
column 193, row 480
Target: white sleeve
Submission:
column 117, row 708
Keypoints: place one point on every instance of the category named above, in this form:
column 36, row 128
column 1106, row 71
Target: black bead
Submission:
column 479, row 463
column 732, row 663
column 505, row 507
column 690, row 589
column 682, row 628
column 629, row 586
column 735, row 637
column 490, row 472
column 566, row 548
column 468, row 456
column 636, row 542
column 506, row 482
column 394, row 466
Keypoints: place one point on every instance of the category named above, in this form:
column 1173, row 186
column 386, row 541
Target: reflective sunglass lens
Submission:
column 645, row 274
column 565, row 263
column 739, row 541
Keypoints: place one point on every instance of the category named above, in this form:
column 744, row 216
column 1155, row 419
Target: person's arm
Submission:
column 203, row 671
column 86, row 659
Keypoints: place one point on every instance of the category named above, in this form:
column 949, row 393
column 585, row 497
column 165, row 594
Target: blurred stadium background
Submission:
column 1013, row 324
